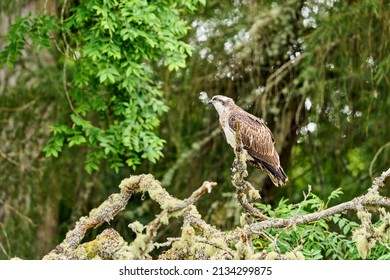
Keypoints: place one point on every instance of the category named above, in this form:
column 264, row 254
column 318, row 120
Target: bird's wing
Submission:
column 256, row 137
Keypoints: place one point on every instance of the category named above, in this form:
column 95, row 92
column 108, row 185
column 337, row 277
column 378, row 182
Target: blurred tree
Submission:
column 321, row 89
column 344, row 74
column 317, row 80
column 315, row 70
column 101, row 93
column 239, row 53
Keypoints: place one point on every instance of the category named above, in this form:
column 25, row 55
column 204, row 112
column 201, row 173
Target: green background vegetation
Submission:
column 93, row 90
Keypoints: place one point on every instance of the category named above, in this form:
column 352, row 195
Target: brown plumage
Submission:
column 256, row 137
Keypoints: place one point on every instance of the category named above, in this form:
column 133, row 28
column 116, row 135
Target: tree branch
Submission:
column 116, row 203
column 372, row 198
column 244, row 189
column 200, row 240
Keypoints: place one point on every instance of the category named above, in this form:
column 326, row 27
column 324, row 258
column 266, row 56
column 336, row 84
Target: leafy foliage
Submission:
column 108, row 47
column 329, row 238
column 26, row 28
column 314, row 70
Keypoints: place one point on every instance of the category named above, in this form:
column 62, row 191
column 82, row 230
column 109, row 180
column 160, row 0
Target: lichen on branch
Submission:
column 72, row 248
column 200, row 240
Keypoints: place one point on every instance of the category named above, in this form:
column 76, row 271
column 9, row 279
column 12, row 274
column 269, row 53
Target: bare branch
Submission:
column 376, row 156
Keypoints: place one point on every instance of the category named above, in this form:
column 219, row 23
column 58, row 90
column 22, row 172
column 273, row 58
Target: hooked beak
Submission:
column 210, row 101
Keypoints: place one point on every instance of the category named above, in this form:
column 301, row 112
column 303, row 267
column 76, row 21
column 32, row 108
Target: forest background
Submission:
column 94, row 90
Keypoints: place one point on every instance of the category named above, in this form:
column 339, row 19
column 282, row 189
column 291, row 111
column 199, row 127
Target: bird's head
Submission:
column 222, row 104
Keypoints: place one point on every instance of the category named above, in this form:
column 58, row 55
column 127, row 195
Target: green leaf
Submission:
column 76, row 140
column 109, row 50
column 54, row 146
column 346, row 229
column 335, row 194
column 92, row 161
column 341, row 223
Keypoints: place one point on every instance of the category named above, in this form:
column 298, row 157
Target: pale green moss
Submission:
column 254, row 194
column 164, row 219
column 272, row 256
column 136, row 227
column 294, row 255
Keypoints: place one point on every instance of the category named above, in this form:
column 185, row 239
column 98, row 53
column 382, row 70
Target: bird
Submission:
column 257, row 139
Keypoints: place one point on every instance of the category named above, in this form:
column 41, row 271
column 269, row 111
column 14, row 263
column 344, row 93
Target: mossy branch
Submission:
column 200, row 240
column 71, row 247
column 372, row 198
column 244, row 189
column 366, row 235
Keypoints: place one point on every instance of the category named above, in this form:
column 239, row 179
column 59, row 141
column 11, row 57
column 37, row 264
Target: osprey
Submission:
column 257, row 139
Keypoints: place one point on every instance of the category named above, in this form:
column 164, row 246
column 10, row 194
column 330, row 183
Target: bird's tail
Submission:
column 277, row 175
